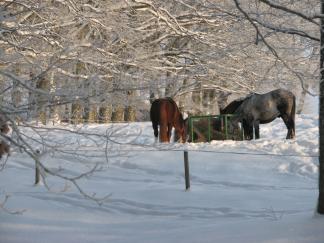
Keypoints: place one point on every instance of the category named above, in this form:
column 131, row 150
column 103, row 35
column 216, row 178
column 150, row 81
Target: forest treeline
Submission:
column 105, row 61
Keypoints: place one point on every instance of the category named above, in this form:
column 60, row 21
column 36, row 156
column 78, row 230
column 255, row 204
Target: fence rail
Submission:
column 219, row 152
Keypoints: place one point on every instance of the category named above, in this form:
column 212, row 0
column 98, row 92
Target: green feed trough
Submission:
column 212, row 127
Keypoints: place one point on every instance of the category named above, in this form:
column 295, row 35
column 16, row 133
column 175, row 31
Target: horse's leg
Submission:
column 169, row 131
column 156, row 130
column 163, row 133
column 248, row 129
column 293, row 127
column 292, row 117
column 256, row 125
column 290, row 124
column 175, row 135
column 245, row 129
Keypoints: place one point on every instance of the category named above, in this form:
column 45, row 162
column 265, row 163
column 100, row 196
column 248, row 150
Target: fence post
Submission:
column 191, row 129
column 226, row 124
column 37, row 172
column 209, row 130
column 186, row 167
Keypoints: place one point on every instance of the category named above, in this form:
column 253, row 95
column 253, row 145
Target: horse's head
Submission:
column 181, row 131
column 234, row 124
column 247, row 127
column 185, row 132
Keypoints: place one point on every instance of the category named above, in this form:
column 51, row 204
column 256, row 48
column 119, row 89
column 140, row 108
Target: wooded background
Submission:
column 104, row 61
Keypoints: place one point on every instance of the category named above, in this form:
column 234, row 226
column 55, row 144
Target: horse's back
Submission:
column 282, row 94
column 163, row 110
column 266, row 107
column 284, row 99
column 275, row 97
column 168, row 109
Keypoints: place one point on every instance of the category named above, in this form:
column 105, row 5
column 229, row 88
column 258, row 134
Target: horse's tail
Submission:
column 152, row 115
column 155, row 116
column 293, row 111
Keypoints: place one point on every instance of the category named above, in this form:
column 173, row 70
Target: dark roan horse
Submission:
column 165, row 114
column 258, row 109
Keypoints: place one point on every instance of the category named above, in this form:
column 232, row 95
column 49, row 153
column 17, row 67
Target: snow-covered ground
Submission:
column 241, row 191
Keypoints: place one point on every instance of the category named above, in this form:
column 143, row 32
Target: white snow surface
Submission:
column 241, row 191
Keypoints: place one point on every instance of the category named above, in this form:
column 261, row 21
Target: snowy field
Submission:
column 244, row 191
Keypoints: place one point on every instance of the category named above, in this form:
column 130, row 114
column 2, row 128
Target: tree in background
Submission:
column 320, row 206
column 300, row 21
column 98, row 55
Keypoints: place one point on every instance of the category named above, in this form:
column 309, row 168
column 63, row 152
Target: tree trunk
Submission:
column 130, row 114
column 42, row 84
column 196, row 97
column 302, row 99
column 208, row 100
column 15, row 93
column 66, row 116
column 118, row 114
column 130, row 110
column 169, row 89
column 76, row 113
column 93, row 114
column 86, row 110
column 42, row 116
column 320, row 205
column 105, row 113
column 77, row 110
column 54, row 111
column 182, row 98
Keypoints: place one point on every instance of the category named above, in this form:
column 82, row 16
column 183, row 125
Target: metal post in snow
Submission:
column 209, row 130
column 37, row 172
column 226, row 124
column 186, row 167
column 191, row 127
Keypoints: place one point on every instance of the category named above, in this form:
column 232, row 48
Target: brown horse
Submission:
column 165, row 113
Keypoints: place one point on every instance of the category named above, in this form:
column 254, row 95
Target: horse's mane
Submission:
column 177, row 108
column 233, row 106
column 248, row 96
column 169, row 99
